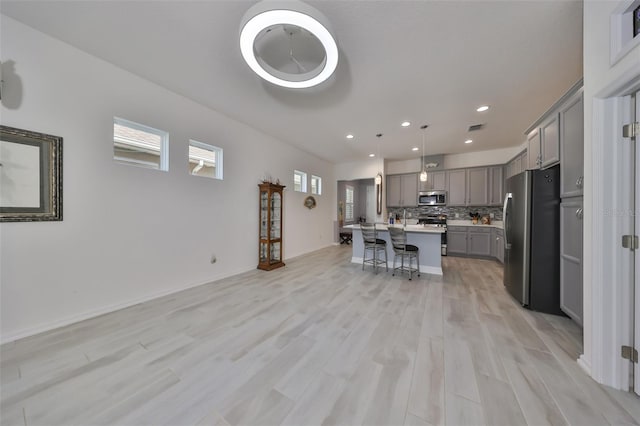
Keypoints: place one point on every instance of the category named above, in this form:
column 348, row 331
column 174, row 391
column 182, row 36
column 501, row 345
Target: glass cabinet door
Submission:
column 275, row 252
column 270, row 245
column 264, row 205
column 275, row 215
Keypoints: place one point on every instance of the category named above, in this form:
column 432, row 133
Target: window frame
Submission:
column 303, row 181
column 347, row 203
column 219, row 158
column 317, row 179
column 163, row 163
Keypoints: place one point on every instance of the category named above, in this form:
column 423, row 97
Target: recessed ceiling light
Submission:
column 468, row 141
column 405, row 124
column 482, row 108
column 415, row 148
column 372, row 155
column 349, row 136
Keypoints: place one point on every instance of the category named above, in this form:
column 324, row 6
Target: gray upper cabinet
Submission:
column 394, row 190
column 477, row 180
column 571, row 146
column 495, row 186
column 533, row 149
column 435, row 181
column 402, row 190
column 410, row 190
column 550, row 141
column 457, row 187
column 524, row 161
column 571, row 258
column 544, row 143
column 438, row 180
column 516, row 165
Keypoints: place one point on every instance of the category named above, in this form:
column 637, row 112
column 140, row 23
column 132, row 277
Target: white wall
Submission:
column 601, row 248
column 455, row 161
column 359, row 170
column 481, row 158
column 130, row 234
column 412, row 165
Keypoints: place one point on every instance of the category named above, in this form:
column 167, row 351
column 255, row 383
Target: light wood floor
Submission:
column 318, row 342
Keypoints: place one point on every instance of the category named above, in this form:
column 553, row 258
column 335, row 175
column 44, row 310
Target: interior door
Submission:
column 636, row 329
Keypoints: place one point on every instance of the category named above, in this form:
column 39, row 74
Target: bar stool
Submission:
column 374, row 244
column 402, row 249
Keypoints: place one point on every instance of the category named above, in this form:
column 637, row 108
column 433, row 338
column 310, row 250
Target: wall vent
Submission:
column 475, row 127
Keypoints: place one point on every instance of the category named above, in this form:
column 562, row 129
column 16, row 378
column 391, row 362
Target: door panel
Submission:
column 572, row 148
column 477, row 187
column 533, row 150
column 636, row 366
column 550, row 142
column 571, row 291
column 457, row 187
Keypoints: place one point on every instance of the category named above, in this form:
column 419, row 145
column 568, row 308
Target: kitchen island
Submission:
column 426, row 237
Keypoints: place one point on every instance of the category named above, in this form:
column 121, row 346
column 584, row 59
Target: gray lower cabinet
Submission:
column 470, row 240
column 456, row 240
column 497, row 244
column 479, row 242
column 571, row 258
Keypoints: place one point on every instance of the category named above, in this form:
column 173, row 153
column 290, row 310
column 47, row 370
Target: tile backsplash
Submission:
column 462, row 212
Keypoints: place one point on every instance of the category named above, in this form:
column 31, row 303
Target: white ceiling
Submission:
column 429, row 62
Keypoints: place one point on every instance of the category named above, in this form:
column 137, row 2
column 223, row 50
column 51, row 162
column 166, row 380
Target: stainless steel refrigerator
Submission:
column 531, row 218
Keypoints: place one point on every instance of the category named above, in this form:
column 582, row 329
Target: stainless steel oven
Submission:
column 432, row 198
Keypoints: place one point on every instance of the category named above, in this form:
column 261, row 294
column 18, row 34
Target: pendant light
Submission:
column 378, row 181
column 423, row 172
column 378, row 178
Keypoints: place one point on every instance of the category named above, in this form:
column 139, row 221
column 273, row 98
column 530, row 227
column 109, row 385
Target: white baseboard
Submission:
column 433, row 270
column 72, row 319
column 582, row 362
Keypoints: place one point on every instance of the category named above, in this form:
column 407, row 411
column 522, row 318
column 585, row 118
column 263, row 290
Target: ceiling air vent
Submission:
column 475, row 127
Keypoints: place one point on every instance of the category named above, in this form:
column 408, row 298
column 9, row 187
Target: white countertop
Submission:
column 494, row 224
column 425, row 229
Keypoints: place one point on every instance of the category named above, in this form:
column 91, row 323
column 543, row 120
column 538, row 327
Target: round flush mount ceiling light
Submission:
column 288, row 43
column 468, row 141
column 349, row 136
column 406, row 124
column 482, row 108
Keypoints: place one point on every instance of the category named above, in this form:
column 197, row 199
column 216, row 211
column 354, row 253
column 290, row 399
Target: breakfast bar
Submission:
column 426, row 237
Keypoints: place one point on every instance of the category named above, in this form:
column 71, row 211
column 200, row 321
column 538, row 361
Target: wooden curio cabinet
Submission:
column 270, row 247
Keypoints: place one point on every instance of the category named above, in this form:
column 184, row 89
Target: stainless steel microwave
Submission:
column 432, row 198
